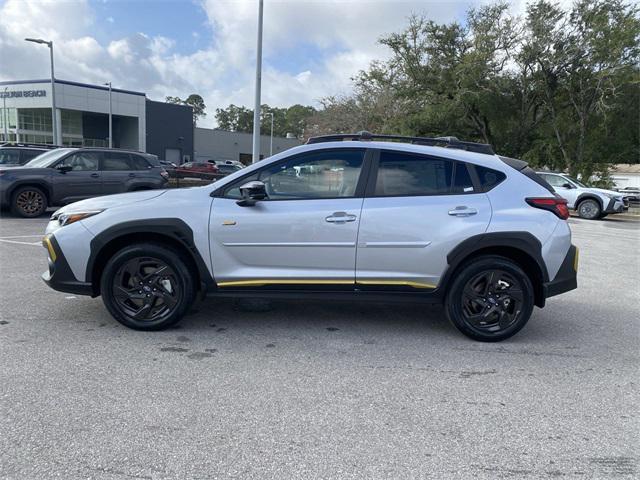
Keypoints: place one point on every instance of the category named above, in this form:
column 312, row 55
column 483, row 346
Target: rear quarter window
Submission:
column 488, row 177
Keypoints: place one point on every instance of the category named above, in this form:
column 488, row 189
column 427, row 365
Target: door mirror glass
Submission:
column 64, row 168
column 567, row 185
column 251, row 193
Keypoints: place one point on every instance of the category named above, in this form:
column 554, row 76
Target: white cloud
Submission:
column 343, row 35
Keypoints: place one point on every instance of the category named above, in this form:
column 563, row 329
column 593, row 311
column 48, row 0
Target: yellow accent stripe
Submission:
column 262, row 283
column 47, row 243
column 575, row 260
column 396, row 282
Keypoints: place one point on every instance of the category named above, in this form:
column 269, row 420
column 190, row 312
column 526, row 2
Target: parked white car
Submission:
column 590, row 203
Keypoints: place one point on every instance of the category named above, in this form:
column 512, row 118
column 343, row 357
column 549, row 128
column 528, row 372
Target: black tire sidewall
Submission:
column 175, row 261
column 598, row 209
column 453, row 304
column 14, row 198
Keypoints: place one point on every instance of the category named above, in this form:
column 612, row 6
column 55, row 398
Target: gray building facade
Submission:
column 212, row 144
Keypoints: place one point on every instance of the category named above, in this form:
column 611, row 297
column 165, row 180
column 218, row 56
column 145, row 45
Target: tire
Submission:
column 486, row 308
column 589, row 209
column 29, row 202
column 147, row 286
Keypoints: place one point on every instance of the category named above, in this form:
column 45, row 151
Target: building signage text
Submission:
column 23, row 93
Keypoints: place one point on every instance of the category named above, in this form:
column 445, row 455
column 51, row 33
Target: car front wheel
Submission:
column 29, row 202
column 589, row 209
column 147, row 287
column 490, row 300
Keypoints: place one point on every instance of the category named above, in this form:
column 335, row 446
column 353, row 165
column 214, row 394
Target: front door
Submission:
column 303, row 235
column 417, row 209
column 82, row 181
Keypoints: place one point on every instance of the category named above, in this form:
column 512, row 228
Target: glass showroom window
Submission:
column 10, row 116
column 71, row 122
column 35, row 119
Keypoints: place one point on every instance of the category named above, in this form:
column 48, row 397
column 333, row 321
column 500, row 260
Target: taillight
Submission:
column 557, row 205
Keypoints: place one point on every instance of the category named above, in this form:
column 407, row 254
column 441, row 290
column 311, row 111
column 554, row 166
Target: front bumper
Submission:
column 59, row 275
column 566, row 278
column 615, row 206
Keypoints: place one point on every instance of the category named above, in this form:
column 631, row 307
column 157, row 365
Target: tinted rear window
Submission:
column 409, row 174
column 489, row 178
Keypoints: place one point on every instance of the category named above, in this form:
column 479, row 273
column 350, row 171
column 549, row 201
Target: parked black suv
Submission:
column 16, row 154
column 67, row 175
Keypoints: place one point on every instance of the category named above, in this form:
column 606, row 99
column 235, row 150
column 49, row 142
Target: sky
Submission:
column 312, row 48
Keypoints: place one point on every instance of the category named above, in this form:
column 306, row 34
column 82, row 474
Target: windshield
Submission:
column 46, row 159
column 577, row 182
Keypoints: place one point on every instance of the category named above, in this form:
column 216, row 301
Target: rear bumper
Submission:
column 566, row 278
column 59, row 275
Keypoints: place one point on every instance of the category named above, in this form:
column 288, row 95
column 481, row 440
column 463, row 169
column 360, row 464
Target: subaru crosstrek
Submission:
column 344, row 216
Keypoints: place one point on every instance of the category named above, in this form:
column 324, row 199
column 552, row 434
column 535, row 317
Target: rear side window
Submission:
column 115, row 161
column 9, row 156
column 489, row 178
column 406, row 174
column 139, row 163
column 462, row 182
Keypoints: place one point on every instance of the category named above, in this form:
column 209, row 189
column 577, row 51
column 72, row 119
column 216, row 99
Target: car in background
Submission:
column 630, row 194
column 196, row 170
column 589, row 202
column 66, row 175
column 227, row 169
column 17, row 154
column 167, row 164
column 227, row 162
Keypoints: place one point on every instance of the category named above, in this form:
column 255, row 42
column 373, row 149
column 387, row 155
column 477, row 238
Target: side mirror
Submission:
column 567, row 185
column 64, row 168
column 251, row 193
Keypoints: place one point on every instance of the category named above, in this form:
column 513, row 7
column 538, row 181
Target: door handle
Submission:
column 95, row 175
column 340, row 217
column 463, row 211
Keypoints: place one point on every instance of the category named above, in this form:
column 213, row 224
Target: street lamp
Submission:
column 54, row 120
column 271, row 138
column 110, row 118
column 256, row 107
column 5, row 117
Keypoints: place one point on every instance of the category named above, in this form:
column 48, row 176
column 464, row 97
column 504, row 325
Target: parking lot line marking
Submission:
column 21, row 236
column 19, row 242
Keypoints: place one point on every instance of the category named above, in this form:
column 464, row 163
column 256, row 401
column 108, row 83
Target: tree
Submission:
column 195, row 101
column 285, row 120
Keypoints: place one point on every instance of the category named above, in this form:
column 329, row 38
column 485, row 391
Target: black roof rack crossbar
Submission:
column 447, row 142
column 28, row 145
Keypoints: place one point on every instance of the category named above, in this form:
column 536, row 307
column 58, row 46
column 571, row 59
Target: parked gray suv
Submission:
column 66, row 175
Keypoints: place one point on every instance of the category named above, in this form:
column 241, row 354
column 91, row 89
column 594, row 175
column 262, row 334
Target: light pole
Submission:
column 256, row 108
column 110, row 118
column 54, row 120
column 271, row 138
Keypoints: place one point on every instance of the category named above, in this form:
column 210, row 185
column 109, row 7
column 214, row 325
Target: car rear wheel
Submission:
column 147, row 287
column 29, row 202
column 490, row 300
column 589, row 209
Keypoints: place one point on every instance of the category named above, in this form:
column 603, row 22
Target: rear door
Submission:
column 82, row 181
column 117, row 175
column 417, row 209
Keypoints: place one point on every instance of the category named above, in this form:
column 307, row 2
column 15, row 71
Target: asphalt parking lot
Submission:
column 316, row 390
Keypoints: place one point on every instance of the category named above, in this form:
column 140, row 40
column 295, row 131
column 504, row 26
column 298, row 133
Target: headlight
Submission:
column 613, row 197
column 72, row 217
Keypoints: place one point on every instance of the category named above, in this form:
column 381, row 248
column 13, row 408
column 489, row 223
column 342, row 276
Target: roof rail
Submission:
column 447, row 142
column 22, row 144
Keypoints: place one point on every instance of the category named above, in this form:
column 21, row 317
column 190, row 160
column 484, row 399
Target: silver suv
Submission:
column 343, row 217
column 590, row 202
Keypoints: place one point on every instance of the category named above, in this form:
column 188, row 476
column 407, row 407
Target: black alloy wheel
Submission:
column 29, row 202
column 490, row 299
column 146, row 289
column 147, row 286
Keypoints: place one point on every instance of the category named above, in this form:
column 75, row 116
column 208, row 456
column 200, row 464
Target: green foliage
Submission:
column 556, row 88
column 285, row 120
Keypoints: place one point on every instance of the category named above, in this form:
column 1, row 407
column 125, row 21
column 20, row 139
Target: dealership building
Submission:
column 82, row 114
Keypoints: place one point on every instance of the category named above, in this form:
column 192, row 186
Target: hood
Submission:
column 108, row 201
column 608, row 192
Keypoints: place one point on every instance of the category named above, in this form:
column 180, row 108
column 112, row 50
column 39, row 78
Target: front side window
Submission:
column 554, row 180
column 325, row 174
column 82, row 161
column 139, row 163
column 115, row 161
column 408, row 174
